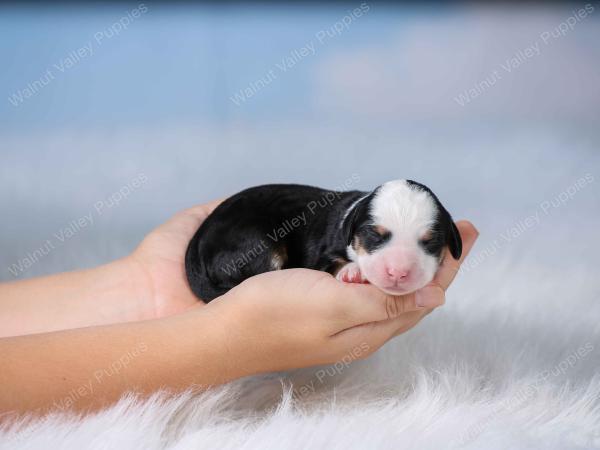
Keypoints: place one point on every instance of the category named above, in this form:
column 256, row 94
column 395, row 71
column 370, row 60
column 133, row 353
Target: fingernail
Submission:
column 428, row 297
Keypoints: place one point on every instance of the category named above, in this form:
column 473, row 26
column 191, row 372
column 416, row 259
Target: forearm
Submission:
column 87, row 368
column 110, row 293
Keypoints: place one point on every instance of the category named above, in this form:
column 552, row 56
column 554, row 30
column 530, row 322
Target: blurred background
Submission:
column 115, row 116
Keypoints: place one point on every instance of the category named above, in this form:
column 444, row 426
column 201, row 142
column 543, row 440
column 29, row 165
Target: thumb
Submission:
column 431, row 296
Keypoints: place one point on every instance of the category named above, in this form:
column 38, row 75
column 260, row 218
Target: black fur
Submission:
column 444, row 232
column 244, row 233
column 283, row 226
column 359, row 215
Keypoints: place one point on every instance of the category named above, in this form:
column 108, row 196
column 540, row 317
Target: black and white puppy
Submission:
column 392, row 237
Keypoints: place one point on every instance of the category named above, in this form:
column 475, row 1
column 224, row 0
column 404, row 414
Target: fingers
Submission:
column 431, row 296
column 363, row 303
column 375, row 334
column 450, row 266
column 210, row 206
column 469, row 235
column 203, row 210
column 188, row 220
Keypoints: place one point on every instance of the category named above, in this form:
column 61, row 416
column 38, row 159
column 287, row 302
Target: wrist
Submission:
column 212, row 354
column 240, row 333
column 130, row 286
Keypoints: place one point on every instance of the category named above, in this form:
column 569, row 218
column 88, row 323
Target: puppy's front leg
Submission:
column 350, row 273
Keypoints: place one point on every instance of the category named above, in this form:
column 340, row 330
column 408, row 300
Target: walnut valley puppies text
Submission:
column 529, row 222
column 524, row 54
column 297, row 55
column 288, row 225
column 77, row 225
column 76, row 55
column 100, row 375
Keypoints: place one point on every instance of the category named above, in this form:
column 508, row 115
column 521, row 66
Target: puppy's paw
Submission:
column 350, row 273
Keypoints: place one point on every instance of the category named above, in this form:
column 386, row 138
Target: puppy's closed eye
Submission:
column 427, row 237
column 374, row 236
column 431, row 243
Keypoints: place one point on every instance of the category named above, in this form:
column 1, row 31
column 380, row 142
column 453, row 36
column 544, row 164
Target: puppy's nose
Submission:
column 398, row 273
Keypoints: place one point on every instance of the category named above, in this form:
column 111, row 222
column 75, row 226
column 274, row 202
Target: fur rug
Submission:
column 511, row 361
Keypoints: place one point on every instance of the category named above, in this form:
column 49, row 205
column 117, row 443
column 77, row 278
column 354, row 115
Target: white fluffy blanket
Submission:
column 511, row 361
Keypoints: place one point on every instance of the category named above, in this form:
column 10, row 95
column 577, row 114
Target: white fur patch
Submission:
column 408, row 212
column 403, row 209
column 276, row 261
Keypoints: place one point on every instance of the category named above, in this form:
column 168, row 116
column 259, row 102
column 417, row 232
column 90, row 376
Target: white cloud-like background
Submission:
column 419, row 71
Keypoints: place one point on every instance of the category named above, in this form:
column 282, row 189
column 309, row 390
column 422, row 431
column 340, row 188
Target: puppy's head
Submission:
column 397, row 235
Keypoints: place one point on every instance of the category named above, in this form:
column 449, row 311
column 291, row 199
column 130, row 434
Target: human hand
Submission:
column 159, row 261
column 298, row 317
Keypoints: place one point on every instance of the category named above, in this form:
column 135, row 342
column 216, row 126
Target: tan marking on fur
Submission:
column 278, row 258
column 357, row 246
column 339, row 263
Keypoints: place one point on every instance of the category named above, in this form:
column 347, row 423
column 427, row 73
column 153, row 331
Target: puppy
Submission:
column 392, row 237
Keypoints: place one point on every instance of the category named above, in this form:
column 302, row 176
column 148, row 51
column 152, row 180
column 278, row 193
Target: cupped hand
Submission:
column 159, row 261
column 290, row 318
column 298, row 317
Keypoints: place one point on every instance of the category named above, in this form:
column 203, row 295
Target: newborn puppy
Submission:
column 392, row 237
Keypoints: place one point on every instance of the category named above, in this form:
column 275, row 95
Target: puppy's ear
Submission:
column 354, row 218
column 454, row 240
